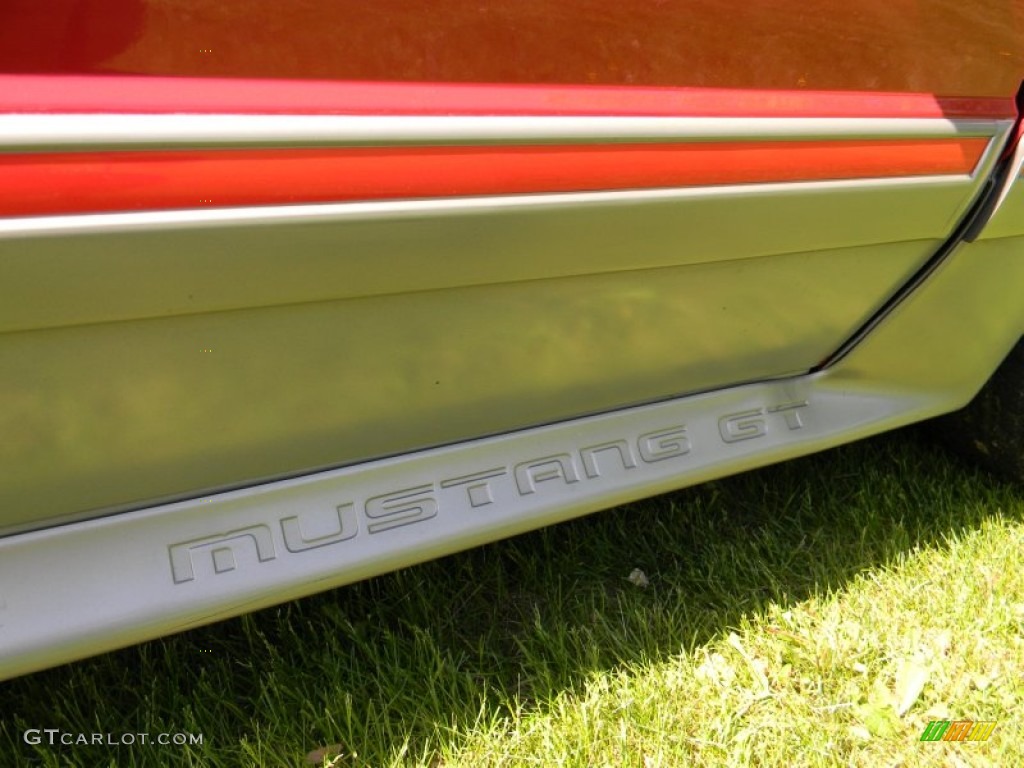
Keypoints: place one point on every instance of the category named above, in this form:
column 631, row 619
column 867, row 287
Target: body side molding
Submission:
column 134, row 576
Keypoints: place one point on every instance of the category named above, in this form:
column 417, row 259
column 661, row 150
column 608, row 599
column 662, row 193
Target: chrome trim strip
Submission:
column 28, row 132
column 270, row 215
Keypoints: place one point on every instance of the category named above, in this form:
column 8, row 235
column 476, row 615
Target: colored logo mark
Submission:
column 958, row 730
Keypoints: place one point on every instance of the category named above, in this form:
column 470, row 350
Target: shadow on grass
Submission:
column 402, row 663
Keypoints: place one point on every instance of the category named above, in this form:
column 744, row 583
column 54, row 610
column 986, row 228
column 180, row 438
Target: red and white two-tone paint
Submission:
column 357, row 258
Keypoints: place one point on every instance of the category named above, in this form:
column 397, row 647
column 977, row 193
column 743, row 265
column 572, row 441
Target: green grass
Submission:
column 820, row 612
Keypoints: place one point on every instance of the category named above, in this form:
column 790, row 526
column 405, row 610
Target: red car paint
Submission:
column 159, row 95
column 879, row 58
column 971, row 48
column 112, row 181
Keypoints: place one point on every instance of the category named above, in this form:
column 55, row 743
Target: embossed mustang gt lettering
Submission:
column 747, row 425
column 314, row 529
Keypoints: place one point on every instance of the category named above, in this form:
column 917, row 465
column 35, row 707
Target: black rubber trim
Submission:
column 967, row 230
column 1000, row 176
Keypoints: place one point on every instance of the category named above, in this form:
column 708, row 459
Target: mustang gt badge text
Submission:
column 546, row 474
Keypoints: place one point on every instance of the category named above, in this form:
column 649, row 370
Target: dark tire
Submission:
column 990, row 430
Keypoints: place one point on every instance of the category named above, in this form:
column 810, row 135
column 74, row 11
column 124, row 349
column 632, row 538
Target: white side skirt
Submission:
column 88, row 587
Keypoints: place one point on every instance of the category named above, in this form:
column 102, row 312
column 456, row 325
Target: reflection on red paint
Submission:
column 38, row 184
column 949, row 47
column 139, row 95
